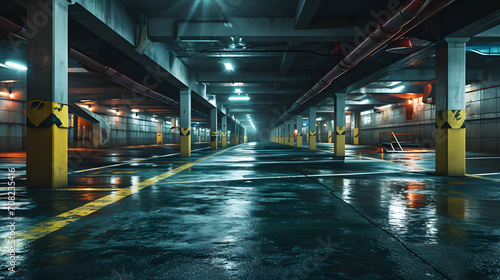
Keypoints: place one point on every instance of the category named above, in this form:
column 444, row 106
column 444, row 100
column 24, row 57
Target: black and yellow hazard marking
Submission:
column 340, row 130
column 450, row 142
column 339, row 145
column 159, row 139
column 213, row 140
column 44, row 228
column 44, row 114
column 185, row 141
column 356, row 136
column 292, row 140
column 330, row 137
column 454, row 119
column 299, row 140
column 47, row 145
column 312, row 140
column 185, row 131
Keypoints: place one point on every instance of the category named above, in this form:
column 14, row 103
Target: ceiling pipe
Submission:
column 104, row 71
column 371, row 43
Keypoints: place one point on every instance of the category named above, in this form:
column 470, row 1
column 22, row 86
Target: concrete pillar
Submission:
column 47, row 109
column 299, row 131
column 238, row 130
column 356, row 120
column 224, row 132
column 213, row 129
column 233, row 133
column 292, row 133
column 185, row 125
column 312, row 128
column 339, row 144
column 450, row 107
column 287, row 133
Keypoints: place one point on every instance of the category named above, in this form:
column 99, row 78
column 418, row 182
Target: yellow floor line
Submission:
column 60, row 221
column 481, row 177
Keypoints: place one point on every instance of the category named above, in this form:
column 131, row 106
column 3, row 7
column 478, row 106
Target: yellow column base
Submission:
column 312, row 140
column 233, row 140
column 185, row 141
column 213, row 140
column 450, row 152
column 356, row 136
column 47, row 157
column 292, row 140
column 159, row 139
column 299, row 140
column 339, row 146
column 330, row 136
column 287, row 139
column 224, row 141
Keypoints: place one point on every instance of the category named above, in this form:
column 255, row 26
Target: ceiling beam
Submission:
column 250, row 29
column 287, row 60
column 251, row 77
column 306, row 11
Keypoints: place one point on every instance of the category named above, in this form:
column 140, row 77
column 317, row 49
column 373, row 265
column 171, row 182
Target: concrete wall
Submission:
column 483, row 121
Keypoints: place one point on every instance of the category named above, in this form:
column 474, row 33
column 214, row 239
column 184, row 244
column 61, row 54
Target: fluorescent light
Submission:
column 318, row 119
column 229, row 66
column 239, row 98
column 346, row 108
column 238, row 90
column 16, row 66
column 365, row 101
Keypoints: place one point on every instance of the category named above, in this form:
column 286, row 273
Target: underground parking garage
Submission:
column 277, row 139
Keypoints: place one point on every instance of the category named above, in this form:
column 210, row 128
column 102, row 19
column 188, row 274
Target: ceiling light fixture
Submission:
column 365, row 101
column 239, row 98
column 229, row 66
column 16, row 66
column 238, row 90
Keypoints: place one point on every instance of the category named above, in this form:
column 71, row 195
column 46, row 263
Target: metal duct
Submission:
column 372, row 42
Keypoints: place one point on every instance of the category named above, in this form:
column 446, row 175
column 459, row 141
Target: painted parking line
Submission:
column 131, row 161
column 62, row 220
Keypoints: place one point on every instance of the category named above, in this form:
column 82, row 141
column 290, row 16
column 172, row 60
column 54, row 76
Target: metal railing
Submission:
column 393, row 140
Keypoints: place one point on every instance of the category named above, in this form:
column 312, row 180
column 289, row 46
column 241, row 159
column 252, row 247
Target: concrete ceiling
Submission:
column 286, row 46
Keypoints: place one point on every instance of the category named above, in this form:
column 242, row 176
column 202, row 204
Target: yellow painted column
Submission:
column 223, row 133
column 213, row 140
column 47, row 95
column 185, row 124
column 450, row 106
column 47, row 144
column 159, row 134
column 312, row 140
column 356, row 136
column 224, row 139
column 299, row 131
column 330, row 140
column 185, row 141
column 339, row 146
column 450, row 142
column 312, row 129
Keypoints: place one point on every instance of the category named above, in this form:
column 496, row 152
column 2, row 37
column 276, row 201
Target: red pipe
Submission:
column 371, row 43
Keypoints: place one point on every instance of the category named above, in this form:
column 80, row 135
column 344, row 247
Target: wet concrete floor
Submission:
column 257, row 211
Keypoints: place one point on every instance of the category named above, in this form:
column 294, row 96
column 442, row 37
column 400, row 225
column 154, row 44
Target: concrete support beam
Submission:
column 299, row 131
column 312, row 128
column 292, row 133
column 213, row 129
column 339, row 144
column 224, row 132
column 306, row 11
column 185, row 126
column 287, row 61
column 252, row 29
column 450, row 107
column 47, row 109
